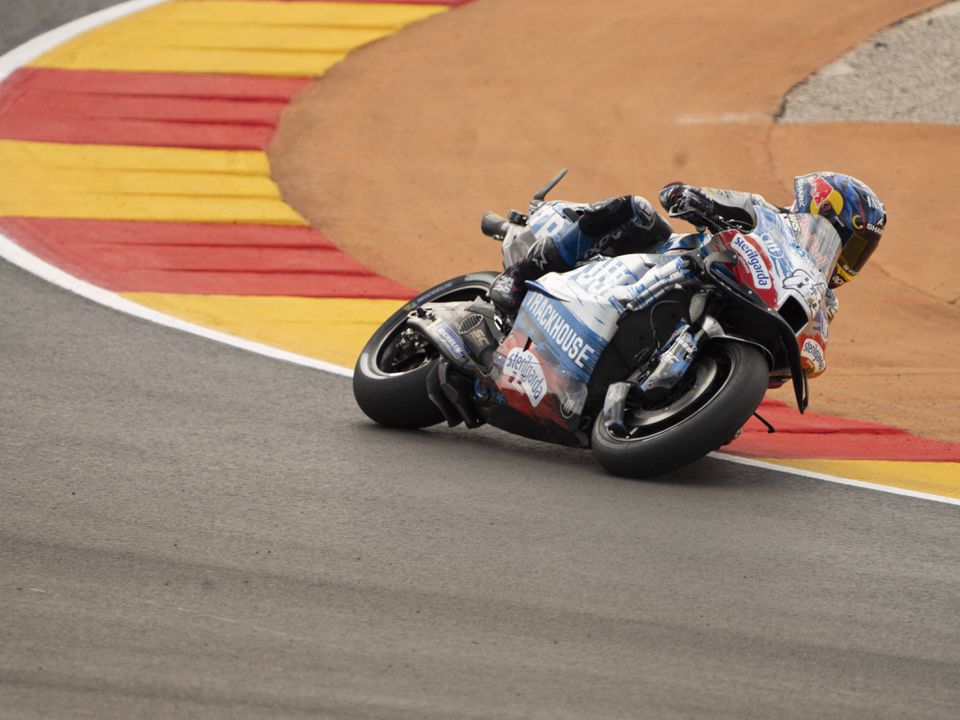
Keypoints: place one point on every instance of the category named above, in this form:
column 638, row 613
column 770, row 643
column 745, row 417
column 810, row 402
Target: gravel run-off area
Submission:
column 907, row 73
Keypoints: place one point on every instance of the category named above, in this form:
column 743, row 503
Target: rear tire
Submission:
column 390, row 386
column 728, row 381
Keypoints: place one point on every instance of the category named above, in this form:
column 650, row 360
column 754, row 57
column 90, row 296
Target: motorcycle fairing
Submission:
column 790, row 256
column 800, row 251
column 545, row 362
column 573, row 344
column 565, row 323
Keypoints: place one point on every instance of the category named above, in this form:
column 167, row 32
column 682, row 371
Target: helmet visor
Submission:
column 856, row 251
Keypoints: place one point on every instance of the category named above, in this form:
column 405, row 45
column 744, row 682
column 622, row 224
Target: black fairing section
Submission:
column 638, row 338
column 748, row 316
column 513, row 421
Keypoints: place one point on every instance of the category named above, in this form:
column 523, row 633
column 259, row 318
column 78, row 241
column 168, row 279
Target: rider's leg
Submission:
column 616, row 226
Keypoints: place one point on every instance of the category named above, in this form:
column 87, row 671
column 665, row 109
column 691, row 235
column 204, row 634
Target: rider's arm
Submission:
column 713, row 207
column 813, row 345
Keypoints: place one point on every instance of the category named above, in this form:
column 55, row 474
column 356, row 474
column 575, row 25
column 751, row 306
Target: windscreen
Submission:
column 821, row 241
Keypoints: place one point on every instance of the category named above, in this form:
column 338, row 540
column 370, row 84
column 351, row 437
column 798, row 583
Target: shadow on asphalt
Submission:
column 707, row 472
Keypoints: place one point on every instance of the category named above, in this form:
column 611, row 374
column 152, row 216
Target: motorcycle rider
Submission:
column 629, row 224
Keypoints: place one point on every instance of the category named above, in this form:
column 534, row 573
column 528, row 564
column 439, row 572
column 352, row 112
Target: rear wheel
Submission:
column 390, row 378
column 719, row 393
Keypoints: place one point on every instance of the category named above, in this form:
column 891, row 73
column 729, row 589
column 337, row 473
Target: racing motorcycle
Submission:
column 652, row 360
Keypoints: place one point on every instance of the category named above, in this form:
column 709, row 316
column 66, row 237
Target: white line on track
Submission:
column 32, row 49
column 834, row 479
column 16, row 255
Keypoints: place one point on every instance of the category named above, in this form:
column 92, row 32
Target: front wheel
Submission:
column 390, row 378
column 719, row 393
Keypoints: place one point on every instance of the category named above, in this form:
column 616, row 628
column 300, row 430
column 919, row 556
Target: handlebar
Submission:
column 493, row 225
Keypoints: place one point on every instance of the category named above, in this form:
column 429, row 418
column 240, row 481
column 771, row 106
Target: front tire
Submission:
column 390, row 377
column 722, row 390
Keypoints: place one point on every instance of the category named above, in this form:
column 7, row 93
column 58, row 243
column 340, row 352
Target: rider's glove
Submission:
column 687, row 203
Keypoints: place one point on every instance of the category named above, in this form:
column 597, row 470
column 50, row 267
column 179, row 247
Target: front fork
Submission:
column 673, row 361
column 677, row 355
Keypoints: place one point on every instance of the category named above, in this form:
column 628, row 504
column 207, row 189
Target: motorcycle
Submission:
column 652, row 360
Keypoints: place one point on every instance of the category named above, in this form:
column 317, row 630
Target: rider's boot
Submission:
column 509, row 288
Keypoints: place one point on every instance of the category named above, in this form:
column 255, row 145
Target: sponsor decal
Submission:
column 754, row 262
column 778, row 232
column 824, row 197
column 451, row 338
column 821, row 323
column 600, row 275
column 812, row 289
column 549, row 223
column 523, row 372
column 812, row 352
column 564, row 336
column 572, row 401
column 774, row 249
column 820, row 190
column 803, row 281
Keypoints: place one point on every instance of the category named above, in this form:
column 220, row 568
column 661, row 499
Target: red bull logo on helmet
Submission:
column 823, row 196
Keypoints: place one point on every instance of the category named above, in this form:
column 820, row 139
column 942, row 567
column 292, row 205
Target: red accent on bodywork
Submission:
column 742, row 271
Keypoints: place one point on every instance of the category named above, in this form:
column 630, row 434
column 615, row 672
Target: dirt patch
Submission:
column 397, row 151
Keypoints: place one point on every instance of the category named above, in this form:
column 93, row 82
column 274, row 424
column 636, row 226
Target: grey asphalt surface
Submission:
column 187, row 530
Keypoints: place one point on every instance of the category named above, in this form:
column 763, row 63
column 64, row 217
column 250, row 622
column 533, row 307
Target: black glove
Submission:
column 688, row 203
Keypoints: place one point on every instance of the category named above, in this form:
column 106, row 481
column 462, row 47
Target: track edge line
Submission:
column 891, row 489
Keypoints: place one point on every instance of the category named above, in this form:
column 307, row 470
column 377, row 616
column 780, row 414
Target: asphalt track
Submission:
column 190, row 530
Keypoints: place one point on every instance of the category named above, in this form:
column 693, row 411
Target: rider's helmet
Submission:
column 854, row 210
